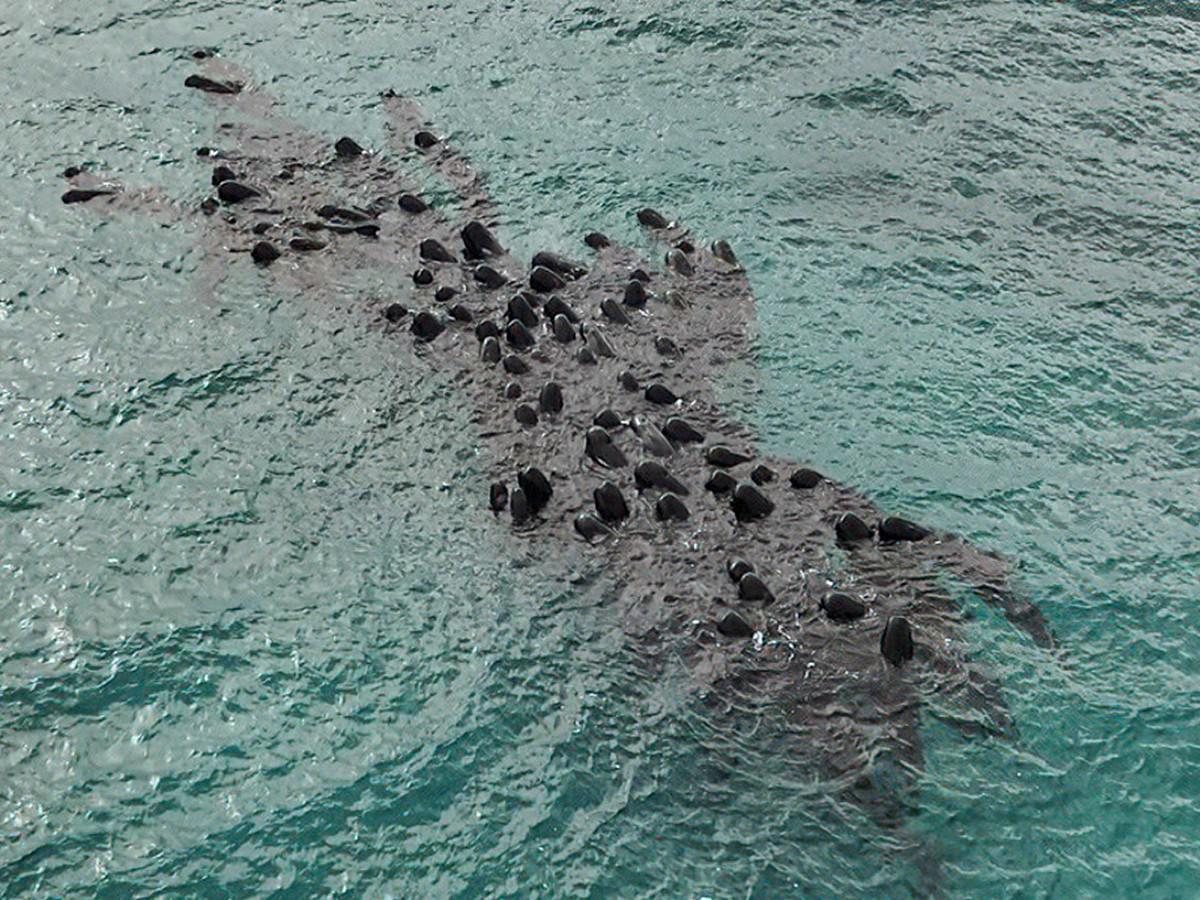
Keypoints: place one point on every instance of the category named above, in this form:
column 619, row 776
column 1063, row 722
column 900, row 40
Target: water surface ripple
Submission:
column 259, row 637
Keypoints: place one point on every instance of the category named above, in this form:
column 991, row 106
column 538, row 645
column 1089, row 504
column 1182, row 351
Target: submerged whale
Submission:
column 593, row 386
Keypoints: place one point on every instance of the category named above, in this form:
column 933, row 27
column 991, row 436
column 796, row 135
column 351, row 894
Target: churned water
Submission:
column 258, row 635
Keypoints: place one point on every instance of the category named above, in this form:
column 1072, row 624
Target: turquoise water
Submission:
column 257, row 635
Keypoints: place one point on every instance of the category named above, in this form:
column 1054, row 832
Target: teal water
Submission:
column 256, row 635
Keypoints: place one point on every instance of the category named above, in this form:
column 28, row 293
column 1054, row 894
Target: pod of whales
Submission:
column 622, row 428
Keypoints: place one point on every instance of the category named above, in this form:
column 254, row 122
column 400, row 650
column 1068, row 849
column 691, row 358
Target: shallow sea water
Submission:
column 257, row 635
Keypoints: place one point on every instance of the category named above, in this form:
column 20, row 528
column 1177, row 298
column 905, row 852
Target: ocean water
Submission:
column 257, row 636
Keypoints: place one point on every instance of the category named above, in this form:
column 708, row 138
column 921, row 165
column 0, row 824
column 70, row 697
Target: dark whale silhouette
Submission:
column 593, row 386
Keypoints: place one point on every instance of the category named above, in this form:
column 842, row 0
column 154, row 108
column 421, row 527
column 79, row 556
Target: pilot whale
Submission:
column 593, row 380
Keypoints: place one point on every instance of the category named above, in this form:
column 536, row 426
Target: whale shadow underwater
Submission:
column 593, row 385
